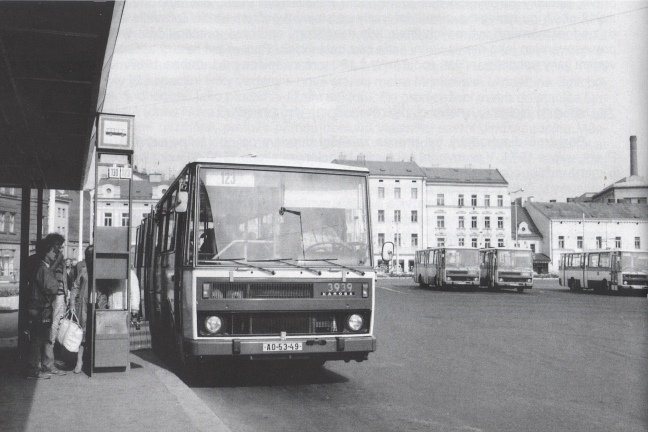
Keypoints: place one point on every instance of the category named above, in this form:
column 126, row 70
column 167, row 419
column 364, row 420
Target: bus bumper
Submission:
column 324, row 348
column 525, row 285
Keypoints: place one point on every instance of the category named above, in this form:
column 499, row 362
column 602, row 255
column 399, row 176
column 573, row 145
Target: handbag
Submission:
column 70, row 333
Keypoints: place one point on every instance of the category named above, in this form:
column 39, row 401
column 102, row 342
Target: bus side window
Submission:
column 604, row 260
column 593, row 260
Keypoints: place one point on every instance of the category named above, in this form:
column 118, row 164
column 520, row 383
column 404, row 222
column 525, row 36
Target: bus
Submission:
column 444, row 267
column 246, row 259
column 507, row 268
column 605, row 271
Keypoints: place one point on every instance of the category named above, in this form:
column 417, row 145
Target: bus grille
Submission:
column 263, row 290
column 291, row 323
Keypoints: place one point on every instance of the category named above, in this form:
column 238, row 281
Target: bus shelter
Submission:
column 55, row 58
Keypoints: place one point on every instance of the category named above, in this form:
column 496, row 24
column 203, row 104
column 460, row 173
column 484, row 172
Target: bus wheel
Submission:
column 420, row 281
column 570, row 284
column 605, row 287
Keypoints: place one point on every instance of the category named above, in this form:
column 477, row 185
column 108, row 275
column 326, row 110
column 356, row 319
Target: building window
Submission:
column 637, row 243
column 643, row 200
column 414, row 217
column 579, row 242
column 414, row 240
column 599, row 242
column 461, row 241
column 381, row 192
column 381, row 215
column 486, row 200
column 397, row 239
column 2, row 190
column 461, row 222
column 473, row 200
column 440, row 200
column 500, row 242
column 381, row 239
column 617, row 242
column 473, row 242
column 440, row 241
column 397, row 193
column 397, row 216
column 473, row 222
column 500, row 200
column 2, row 222
column 124, row 220
column 532, row 246
column 460, row 200
column 500, row 222
column 12, row 223
column 107, row 219
column 487, row 222
column 440, row 222
column 561, row 242
column 414, row 193
column 12, row 191
column 487, row 243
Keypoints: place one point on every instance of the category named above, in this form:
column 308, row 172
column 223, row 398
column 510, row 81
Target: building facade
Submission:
column 467, row 207
column 576, row 226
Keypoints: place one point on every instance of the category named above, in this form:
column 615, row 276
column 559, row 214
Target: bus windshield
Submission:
column 634, row 261
column 514, row 259
column 257, row 215
column 461, row 258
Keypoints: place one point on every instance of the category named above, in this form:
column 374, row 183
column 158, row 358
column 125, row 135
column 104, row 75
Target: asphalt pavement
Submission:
column 545, row 360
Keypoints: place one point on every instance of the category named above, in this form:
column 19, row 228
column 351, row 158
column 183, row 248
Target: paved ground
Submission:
column 546, row 360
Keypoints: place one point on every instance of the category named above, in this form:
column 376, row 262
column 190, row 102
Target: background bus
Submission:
column 605, row 271
column 507, row 268
column 447, row 266
column 252, row 259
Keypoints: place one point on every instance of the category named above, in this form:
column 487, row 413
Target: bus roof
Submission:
column 284, row 163
column 507, row 249
column 605, row 250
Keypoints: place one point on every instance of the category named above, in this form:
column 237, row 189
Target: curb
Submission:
column 202, row 417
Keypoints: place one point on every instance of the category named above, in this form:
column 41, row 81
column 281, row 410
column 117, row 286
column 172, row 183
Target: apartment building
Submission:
column 467, row 207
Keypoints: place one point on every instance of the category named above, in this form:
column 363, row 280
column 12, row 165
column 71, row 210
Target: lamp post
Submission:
column 516, row 224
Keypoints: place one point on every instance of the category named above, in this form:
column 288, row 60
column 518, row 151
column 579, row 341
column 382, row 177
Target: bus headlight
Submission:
column 625, row 282
column 354, row 322
column 476, row 279
column 500, row 280
column 213, row 324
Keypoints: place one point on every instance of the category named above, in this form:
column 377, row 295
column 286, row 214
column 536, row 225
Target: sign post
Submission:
column 108, row 309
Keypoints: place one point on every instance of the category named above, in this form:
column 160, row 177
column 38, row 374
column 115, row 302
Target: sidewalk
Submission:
column 148, row 397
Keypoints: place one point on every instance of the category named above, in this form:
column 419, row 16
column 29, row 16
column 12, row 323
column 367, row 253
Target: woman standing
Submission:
column 78, row 301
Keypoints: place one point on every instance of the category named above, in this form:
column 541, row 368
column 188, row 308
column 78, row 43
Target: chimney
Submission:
column 361, row 157
column 633, row 155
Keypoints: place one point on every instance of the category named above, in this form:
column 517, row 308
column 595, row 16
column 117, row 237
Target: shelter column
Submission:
column 51, row 215
column 79, row 250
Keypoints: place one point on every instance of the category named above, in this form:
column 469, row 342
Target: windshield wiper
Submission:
column 245, row 263
column 330, row 261
column 287, row 261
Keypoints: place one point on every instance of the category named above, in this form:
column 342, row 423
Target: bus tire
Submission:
column 420, row 282
column 570, row 284
column 605, row 287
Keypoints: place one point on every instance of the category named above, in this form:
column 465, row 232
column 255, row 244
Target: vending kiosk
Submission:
column 108, row 309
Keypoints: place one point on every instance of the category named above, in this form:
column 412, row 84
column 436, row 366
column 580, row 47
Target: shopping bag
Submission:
column 70, row 333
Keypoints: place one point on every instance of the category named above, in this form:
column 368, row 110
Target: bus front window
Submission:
column 515, row 260
column 456, row 258
column 271, row 215
column 634, row 261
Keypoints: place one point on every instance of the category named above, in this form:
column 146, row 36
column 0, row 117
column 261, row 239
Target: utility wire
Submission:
column 388, row 63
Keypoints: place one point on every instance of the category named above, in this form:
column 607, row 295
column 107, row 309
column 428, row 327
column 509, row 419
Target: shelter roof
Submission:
column 54, row 64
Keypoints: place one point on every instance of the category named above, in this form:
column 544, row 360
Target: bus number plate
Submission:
column 282, row 346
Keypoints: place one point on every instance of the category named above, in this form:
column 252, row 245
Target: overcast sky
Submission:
column 548, row 93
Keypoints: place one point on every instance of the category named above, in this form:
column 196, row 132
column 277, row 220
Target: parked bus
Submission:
column 604, row 271
column 250, row 259
column 447, row 266
column 503, row 268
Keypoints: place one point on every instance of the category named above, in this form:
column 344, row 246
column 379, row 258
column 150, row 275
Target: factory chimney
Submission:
column 633, row 155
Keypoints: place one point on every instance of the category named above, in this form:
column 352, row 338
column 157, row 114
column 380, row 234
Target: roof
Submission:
column 626, row 182
column 386, row 168
column 540, row 257
column 590, row 210
column 523, row 216
column 464, row 175
column 254, row 161
column 54, row 63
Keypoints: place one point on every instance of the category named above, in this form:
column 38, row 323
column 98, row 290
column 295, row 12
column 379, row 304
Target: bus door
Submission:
column 615, row 265
column 591, row 272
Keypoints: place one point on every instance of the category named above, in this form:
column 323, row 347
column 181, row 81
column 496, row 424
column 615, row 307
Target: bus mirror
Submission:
column 181, row 205
column 387, row 251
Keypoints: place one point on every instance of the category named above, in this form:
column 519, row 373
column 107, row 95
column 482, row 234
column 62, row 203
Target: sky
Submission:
column 546, row 92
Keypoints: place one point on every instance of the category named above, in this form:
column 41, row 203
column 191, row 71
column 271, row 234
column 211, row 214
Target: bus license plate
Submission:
column 282, row 346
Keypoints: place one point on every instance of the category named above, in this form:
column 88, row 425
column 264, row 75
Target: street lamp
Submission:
column 516, row 224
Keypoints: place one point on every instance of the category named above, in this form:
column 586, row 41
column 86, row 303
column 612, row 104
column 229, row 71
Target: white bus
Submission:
column 605, row 271
column 503, row 268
